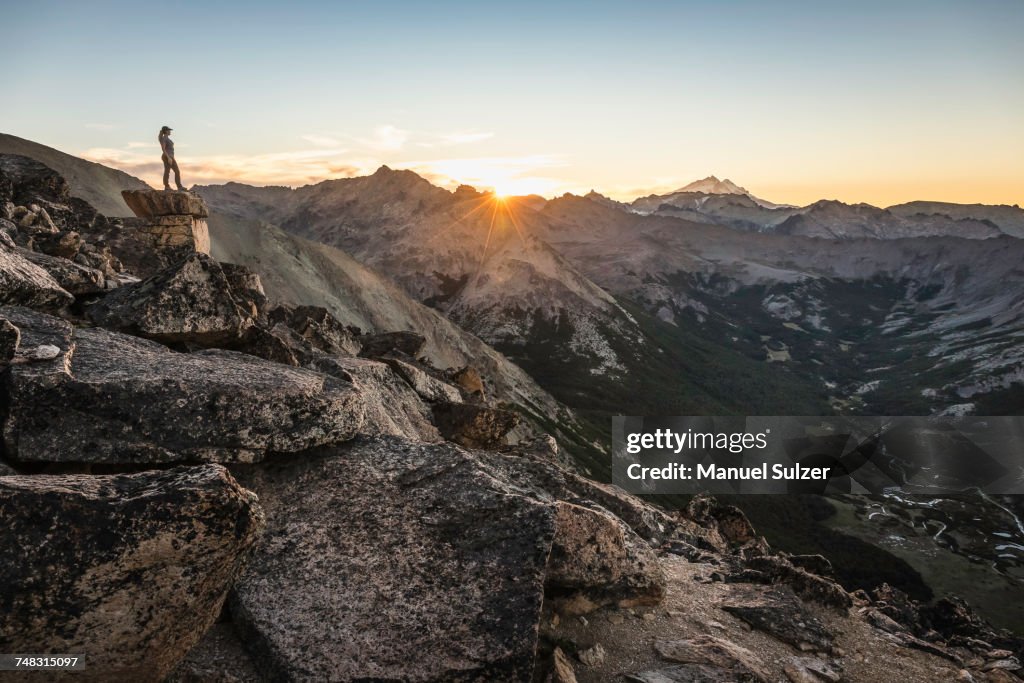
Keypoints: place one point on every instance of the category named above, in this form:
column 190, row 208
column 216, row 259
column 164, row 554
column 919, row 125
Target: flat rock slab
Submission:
column 129, row 570
column 688, row 673
column 112, row 398
column 780, row 613
column 152, row 203
column 392, row 560
column 716, row 652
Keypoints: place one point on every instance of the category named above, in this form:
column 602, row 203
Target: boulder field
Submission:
column 199, row 484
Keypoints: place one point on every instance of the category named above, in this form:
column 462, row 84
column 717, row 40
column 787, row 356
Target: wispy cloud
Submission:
column 525, row 174
column 294, row 168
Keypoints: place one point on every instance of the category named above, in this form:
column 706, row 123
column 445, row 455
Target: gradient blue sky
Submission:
column 860, row 101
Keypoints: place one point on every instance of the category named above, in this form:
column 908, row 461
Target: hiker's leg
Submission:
column 177, row 174
column 167, row 170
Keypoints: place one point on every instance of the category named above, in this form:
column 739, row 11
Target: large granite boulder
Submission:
column 24, row 283
column 153, row 203
column 392, row 560
column 129, row 570
column 597, row 560
column 192, row 302
column 112, row 398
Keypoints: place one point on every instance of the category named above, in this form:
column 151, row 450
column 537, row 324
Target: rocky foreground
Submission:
column 199, row 485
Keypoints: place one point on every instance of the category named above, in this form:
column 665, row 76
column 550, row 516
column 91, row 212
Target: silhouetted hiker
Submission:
column 167, row 155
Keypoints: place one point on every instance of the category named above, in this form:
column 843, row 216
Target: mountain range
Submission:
column 703, row 301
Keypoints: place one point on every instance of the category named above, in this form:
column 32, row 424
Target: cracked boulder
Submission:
column 393, row 560
column 128, row 570
column 192, row 302
column 106, row 397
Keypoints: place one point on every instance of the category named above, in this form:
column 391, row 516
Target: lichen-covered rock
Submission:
column 23, row 283
column 73, row 277
column 391, row 560
column 129, row 570
column 377, row 345
column 113, row 398
column 152, row 203
column 472, row 425
column 319, row 328
column 597, row 560
column 192, row 302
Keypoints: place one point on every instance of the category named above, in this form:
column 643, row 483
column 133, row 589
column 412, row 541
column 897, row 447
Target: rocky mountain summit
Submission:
column 204, row 485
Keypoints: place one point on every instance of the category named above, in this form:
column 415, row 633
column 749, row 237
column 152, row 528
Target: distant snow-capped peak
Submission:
column 712, row 185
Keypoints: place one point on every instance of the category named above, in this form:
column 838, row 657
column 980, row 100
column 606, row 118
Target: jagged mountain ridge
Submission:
column 420, row 235
column 477, row 260
column 1009, row 219
column 724, row 203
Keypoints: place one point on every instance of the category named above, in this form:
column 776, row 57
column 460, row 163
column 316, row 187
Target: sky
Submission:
column 880, row 102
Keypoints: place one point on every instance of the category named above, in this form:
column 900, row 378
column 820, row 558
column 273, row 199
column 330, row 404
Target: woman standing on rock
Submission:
column 167, row 156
